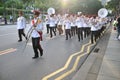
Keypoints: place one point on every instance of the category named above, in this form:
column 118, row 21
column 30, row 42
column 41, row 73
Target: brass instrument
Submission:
column 29, row 34
column 51, row 11
column 102, row 13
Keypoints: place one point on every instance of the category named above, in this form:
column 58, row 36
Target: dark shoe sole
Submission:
column 34, row 57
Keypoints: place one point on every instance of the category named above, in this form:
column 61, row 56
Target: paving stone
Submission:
column 110, row 68
column 100, row 77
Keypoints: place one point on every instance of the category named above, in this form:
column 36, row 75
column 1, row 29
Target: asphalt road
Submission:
column 61, row 57
column 18, row 65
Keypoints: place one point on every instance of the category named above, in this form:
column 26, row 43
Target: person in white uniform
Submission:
column 73, row 25
column 79, row 22
column 21, row 24
column 52, row 25
column 60, row 22
column 67, row 24
column 47, row 23
column 94, row 30
column 36, row 34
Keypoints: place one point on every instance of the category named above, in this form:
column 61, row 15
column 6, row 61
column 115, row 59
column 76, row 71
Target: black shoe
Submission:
column 41, row 53
column 19, row 40
column 35, row 57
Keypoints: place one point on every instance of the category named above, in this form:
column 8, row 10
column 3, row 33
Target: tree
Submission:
column 86, row 6
column 114, row 6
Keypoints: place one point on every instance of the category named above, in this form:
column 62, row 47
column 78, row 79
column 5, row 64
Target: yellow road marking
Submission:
column 75, row 65
column 67, row 63
column 88, row 49
column 7, row 51
column 70, row 71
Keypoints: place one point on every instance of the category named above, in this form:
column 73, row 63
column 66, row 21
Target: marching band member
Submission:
column 60, row 22
column 52, row 25
column 47, row 23
column 73, row 25
column 100, row 28
column 94, row 30
column 85, row 27
column 79, row 22
column 56, row 22
column 89, row 25
column 67, row 24
column 36, row 34
column 21, row 24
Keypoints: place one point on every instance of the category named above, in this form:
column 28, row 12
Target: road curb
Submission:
column 83, row 71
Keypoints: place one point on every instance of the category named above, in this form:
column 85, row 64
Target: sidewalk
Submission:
column 104, row 65
column 110, row 68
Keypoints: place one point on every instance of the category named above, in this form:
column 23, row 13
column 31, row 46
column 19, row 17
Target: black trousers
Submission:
column 37, row 46
column 94, row 36
column 80, row 33
column 85, row 32
column 73, row 31
column 52, row 29
column 20, row 33
column 55, row 27
column 76, row 29
column 47, row 26
column 67, row 32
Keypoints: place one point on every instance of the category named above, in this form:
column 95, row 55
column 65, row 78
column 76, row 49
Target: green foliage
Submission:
column 86, row 6
column 112, row 4
column 1, row 10
column 74, row 6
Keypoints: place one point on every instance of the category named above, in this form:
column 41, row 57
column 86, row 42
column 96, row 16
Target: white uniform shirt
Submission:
column 60, row 21
column 67, row 24
column 100, row 25
column 94, row 27
column 56, row 20
column 73, row 23
column 47, row 20
column 21, row 22
column 52, row 22
column 89, row 23
column 85, row 23
column 39, row 27
column 79, row 22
